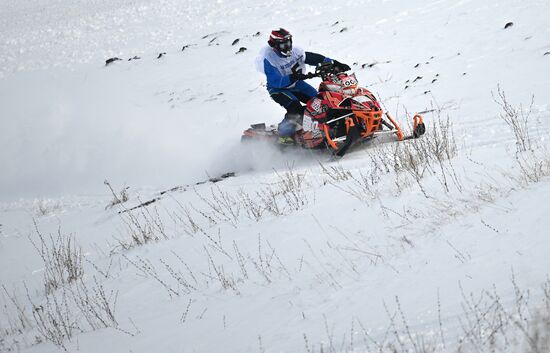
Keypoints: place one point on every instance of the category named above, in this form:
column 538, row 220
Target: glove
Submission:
column 341, row 66
column 298, row 76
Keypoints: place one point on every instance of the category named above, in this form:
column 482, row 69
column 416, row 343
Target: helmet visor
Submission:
column 285, row 45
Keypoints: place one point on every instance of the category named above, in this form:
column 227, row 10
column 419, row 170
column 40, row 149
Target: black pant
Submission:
column 292, row 106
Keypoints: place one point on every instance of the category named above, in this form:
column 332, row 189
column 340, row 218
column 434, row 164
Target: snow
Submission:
column 348, row 247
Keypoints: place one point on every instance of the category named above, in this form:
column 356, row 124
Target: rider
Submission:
column 284, row 67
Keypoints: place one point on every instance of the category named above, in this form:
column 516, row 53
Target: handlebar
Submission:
column 312, row 75
column 323, row 70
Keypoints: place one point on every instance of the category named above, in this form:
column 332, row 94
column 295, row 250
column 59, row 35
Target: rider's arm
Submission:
column 274, row 77
column 315, row 59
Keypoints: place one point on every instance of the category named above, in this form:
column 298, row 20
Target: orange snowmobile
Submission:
column 340, row 116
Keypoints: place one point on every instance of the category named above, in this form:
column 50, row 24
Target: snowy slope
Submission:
column 294, row 252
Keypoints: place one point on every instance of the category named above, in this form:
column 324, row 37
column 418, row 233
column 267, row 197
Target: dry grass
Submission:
column 532, row 155
column 517, row 120
column 43, row 208
column 72, row 310
column 486, row 324
column 285, row 195
column 62, row 259
column 119, row 198
column 142, row 226
column 69, row 304
column 408, row 163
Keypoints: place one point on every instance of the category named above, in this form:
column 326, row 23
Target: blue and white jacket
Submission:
column 277, row 68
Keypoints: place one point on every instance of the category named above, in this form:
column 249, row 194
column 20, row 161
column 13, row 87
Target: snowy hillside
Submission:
column 132, row 219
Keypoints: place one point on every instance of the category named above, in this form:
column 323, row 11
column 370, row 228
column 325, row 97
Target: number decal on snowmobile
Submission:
column 350, row 82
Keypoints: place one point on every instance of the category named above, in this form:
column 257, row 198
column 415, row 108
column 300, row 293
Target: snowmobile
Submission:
column 339, row 117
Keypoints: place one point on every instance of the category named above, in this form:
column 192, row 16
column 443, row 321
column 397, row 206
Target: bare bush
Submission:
column 54, row 320
column 517, row 120
column 489, row 325
column 533, row 166
column 62, row 259
column 269, row 202
column 96, row 306
column 285, row 195
column 485, row 325
column 119, row 198
column 409, row 162
column 226, row 279
column 73, row 309
column 224, row 207
column 254, row 209
column 70, row 306
column 532, row 158
column 185, row 218
column 431, row 155
column 142, row 226
column 44, row 207
column 227, row 272
column 150, row 271
column 336, row 173
column 15, row 322
column 291, row 187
